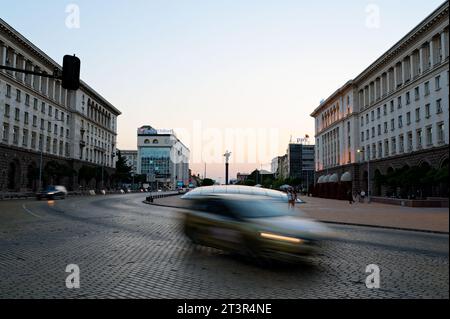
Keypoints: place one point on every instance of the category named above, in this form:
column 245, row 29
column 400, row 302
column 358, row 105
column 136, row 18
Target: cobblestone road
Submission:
column 127, row 249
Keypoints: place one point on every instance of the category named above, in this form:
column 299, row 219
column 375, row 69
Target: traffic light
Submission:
column 71, row 72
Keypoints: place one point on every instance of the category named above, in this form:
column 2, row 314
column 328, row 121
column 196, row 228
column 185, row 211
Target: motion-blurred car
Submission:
column 252, row 221
column 52, row 192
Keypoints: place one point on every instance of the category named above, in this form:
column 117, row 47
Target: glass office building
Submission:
column 163, row 158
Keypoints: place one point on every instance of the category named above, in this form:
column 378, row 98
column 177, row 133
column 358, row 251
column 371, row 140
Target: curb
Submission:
column 341, row 223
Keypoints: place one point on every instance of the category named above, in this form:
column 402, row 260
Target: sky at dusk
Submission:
column 226, row 75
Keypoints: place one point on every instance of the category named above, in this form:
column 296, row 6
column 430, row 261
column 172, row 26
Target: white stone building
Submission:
column 395, row 112
column 71, row 128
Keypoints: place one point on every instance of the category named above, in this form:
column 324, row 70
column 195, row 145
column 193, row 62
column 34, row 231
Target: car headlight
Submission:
column 282, row 238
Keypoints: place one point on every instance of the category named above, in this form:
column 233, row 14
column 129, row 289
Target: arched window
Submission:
column 147, row 141
column 155, row 141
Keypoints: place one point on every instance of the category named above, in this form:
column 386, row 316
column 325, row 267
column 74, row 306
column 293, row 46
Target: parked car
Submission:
column 52, row 192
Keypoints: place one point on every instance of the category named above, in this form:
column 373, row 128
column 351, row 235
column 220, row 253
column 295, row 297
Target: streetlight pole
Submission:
column 227, row 158
column 368, row 175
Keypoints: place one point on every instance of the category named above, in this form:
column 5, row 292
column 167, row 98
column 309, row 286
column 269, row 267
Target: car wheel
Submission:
column 254, row 254
column 191, row 234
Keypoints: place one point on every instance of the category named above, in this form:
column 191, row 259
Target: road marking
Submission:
column 30, row 212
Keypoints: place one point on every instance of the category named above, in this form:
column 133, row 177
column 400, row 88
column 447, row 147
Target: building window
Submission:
column 386, row 148
column 401, row 144
column 378, row 113
column 15, row 135
column 417, row 93
column 43, row 107
column 410, row 141
column 438, row 106
column 392, row 106
column 427, row 88
column 385, row 109
column 429, row 135
column 418, row 114
column 26, row 118
column 25, row 137
column 392, row 124
column 35, row 104
column 372, row 116
column 408, row 98
column 400, row 121
column 18, row 95
column 408, row 118
column 399, row 102
column 393, row 146
column 50, row 110
column 27, row 99
column 362, row 121
column 373, row 132
column 17, row 114
column 5, row 132
column 427, row 111
column 438, row 82
column 49, row 127
column 385, row 127
column 7, row 110
column 362, row 136
column 379, row 129
column 34, row 120
column 419, row 139
column 441, row 133
column 8, row 90
column 367, row 135
column 33, row 140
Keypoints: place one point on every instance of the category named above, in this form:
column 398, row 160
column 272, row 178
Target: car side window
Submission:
column 213, row 206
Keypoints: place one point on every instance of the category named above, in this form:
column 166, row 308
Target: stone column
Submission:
column 432, row 50
column 444, row 45
column 14, row 65
column 3, row 54
column 421, row 64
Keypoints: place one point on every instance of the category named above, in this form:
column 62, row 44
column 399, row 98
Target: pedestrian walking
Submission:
column 363, row 196
column 290, row 195
column 350, row 197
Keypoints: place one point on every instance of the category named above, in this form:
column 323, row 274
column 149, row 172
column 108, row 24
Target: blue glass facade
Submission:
column 155, row 160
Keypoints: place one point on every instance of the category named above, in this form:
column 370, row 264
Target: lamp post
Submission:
column 368, row 175
column 227, row 158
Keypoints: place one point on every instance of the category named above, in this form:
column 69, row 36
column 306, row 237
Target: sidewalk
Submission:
column 374, row 214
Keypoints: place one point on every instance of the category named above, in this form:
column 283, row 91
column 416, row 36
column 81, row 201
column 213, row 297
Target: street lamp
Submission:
column 368, row 174
column 227, row 159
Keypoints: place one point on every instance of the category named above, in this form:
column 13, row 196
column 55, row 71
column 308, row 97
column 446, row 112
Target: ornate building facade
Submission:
column 393, row 116
column 66, row 137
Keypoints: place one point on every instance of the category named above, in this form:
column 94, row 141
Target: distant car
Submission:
column 250, row 221
column 52, row 192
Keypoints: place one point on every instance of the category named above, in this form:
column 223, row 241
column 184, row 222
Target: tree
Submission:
column 123, row 170
column 208, row 182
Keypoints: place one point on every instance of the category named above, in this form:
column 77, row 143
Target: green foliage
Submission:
column 208, row 182
column 123, row 170
column 249, row 182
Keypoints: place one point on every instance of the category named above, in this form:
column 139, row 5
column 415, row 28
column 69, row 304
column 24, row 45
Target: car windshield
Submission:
column 50, row 189
column 263, row 208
